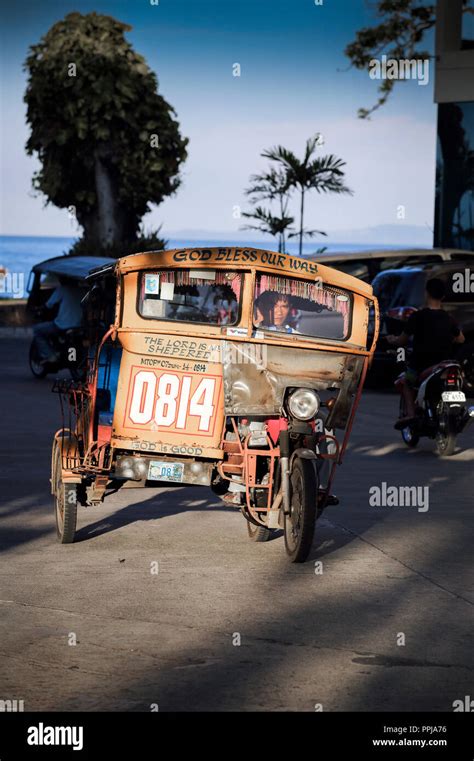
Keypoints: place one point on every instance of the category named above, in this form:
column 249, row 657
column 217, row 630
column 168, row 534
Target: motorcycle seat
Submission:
column 441, row 365
column 427, row 372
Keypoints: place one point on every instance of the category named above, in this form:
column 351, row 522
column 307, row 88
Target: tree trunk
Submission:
column 108, row 226
column 282, row 234
column 301, row 221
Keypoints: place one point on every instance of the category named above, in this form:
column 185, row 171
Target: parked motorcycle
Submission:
column 442, row 412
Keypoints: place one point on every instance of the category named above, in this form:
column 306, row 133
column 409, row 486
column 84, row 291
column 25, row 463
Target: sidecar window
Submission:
column 203, row 296
column 288, row 305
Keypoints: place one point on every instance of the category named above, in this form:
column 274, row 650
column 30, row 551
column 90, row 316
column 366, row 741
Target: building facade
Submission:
column 454, row 93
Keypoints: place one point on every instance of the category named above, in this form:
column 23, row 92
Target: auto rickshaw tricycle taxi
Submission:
column 234, row 368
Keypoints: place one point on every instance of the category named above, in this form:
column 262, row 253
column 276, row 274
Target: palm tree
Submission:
column 322, row 174
column 269, row 224
column 270, row 186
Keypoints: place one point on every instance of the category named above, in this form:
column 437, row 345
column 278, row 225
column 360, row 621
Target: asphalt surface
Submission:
column 227, row 624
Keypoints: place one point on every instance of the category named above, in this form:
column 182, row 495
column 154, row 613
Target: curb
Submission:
column 16, row 332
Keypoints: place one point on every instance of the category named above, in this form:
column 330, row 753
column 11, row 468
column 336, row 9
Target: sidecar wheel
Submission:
column 299, row 525
column 65, row 499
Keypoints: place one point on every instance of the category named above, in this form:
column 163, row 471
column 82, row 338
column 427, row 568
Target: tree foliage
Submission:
column 401, row 29
column 269, row 224
column 108, row 143
column 324, row 174
column 271, row 186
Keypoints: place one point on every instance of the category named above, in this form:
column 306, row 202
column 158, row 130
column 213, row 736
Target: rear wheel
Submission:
column 446, row 437
column 65, row 499
column 258, row 533
column 410, row 438
column 299, row 525
column 37, row 368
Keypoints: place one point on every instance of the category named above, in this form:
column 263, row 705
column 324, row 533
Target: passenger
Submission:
column 434, row 331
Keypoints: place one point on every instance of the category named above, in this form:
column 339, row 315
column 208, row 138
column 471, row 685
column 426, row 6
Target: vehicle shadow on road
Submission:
column 320, row 642
column 172, row 501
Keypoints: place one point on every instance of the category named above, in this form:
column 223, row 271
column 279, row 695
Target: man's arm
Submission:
column 55, row 298
column 408, row 332
column 456, row 332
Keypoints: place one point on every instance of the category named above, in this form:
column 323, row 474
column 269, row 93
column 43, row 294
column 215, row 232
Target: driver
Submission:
column 273, row 312
column 69, row 316
column 434, row 332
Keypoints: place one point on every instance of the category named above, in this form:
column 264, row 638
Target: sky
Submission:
column 294, row 82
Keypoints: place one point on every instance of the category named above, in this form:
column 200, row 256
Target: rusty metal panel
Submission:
column 255, row 381
column 347, row 391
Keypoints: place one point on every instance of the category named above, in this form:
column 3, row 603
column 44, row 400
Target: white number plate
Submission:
column 453, row 396
column 159, row 470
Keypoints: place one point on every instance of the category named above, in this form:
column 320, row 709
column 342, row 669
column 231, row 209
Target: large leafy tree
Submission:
column 399, row 32
column 108, row 142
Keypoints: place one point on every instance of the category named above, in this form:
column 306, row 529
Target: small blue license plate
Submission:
column 159, row 470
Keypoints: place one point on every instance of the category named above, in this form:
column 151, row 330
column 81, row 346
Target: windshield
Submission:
column 288, row 305
column 206, row 296
column 398, row 289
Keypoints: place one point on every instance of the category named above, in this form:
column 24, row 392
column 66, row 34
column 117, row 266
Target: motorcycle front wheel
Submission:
column 410, row 438
column 299, row 525
column 38, row 369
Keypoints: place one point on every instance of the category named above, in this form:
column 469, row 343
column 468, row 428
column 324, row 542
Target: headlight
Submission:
column 303, row 404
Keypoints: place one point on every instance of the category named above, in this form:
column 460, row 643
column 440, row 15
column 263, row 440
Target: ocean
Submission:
column 19, row 253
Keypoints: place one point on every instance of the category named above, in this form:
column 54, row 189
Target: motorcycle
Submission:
column 70, row 352
column 442, row 412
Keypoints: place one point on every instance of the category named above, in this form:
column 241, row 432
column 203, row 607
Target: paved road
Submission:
column 170, row 638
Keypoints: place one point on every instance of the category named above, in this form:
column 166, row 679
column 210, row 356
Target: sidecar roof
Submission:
column 75, row 267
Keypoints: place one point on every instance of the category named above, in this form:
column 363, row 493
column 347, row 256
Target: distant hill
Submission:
column 389, row 235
